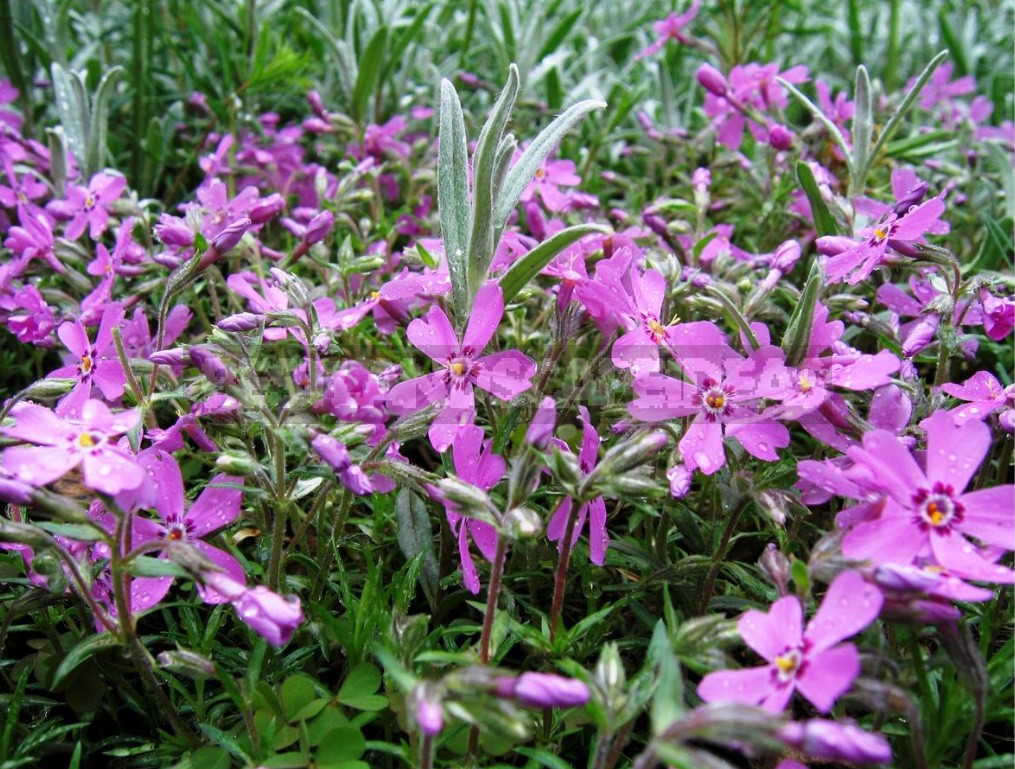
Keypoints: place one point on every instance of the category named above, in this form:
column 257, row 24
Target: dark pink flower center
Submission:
column 937, row 509
column 715, row 399
column 176, row 531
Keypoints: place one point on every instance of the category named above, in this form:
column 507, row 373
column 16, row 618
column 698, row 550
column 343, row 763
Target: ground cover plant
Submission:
column 506, row 383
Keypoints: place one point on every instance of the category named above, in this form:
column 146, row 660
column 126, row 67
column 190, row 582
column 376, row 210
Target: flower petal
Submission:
column 988, row 515
column 770, row 634
column 828, row 674
column 217, row 506
column 850, row 605
column 434, row 335
column 505, row 374
column 487, row 311
column 954, row 451
column 416, row 394
column 748, row 687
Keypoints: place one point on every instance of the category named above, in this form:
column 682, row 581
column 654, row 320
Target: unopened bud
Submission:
column 174, row 232
column 545, row 690
column 212, row 366
column 631, row 453
column 712, row 80
column 912, row 197
column 543, row 421
column 188, row 663
column 236, row 464
column 776, row 567
column 241, row 321
column 565, row 469
column 786, row 255
column 522, row 523
column 292, row 285
column 833, row 245
column 680, row 480
column 267, row 208
column 467, row 497
column 836, row 741
column 775, row 503
column 177, row 356
column 780, row 137
column 230, row 235
column 49, row 388
column 319, row 227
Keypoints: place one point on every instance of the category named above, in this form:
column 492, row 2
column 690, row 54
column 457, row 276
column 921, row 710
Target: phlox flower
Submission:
column 925, row 511
column 503, row 374
column 272, row 616
column 88, row 206
column 722, row 396
column 547, row 183
column 594, row 511
column 91, row 363
column 984, row 395
column 64, row 444
column 854, row 260
column 671, row 28
column 809, row 660
column 750, row 86
column 27, row 315
column 474, row 463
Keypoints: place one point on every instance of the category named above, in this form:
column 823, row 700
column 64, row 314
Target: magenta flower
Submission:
column 595, row 510
column 475, row 463
column 805, row 659
column 337, row 455
column 638, row 349
column 87, row 206
column 751, row 87
column 984, row 394
column 543, row 690
column 671, row 28
column 925, row 511
column 272, row 616
column 723, row 398
column 63, row 444
column 91, row 363
column 548, row 181
column 27, row 316
column 856, row 260
column 504, row 374
column 216, row 506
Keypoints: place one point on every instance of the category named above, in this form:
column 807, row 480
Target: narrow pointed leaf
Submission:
column 526, row 268
column 907, row 102
column 71, row 104
column 801, row 323
column 815, row 110
column 824, row 222
column 87, row 648
column 481, row 235
column 863, row 127
column 453, row 195
column 100, row 118
column 369, row 73
column 525, row 169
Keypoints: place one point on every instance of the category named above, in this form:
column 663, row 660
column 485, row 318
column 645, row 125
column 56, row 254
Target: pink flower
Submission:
column 807, row 659
column 925, row 512
column 547, row 182
column 722, row 396
column 595, row 510
column 504, row 374
column 474, row 463
column 671, row 28
column 88, row 206
column 985, row 395
column 272, row 616
column 63, row 444
column 91, row 363
column 543, row 690
column 856, row 260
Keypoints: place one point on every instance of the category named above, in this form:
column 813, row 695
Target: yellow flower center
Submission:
column 540, row 173
column 86, row 364
column 658, row 329
column 805, row 384
column 89, row 201
column 375, row 295
column 935, row 514
column 786, row 663
column 715, row 401
column 86, row 441
column 457, row 368
column 175, row 535
column 880, row 233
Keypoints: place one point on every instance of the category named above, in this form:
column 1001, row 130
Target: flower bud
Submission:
column 712, row 80
column 680, row 480
column 631, row 453
column 547, row 690
column 188, row 663
column 177, row 356
column 786, row 255
column 241, row 321
column 174, row 232
column 209, row 364
column 780, row 137
column 521, row 523
column 267, row 208
column 230, row 235
column 836, row 741
column 912, row 197
column 776, row 567
column 833, row 245
column 427, row 710
column 319, row 227
column 235, row 464
column 292, row 285
column 543, row 421
column 317, row 104
column 920, row 335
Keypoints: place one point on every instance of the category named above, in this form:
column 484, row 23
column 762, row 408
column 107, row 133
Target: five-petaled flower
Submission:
column 804, row 659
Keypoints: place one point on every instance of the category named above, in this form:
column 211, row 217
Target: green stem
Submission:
column 720, row 554
column 281, row 511
column 493, row 596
